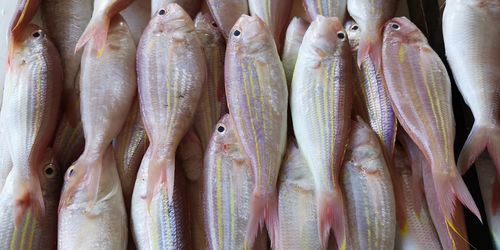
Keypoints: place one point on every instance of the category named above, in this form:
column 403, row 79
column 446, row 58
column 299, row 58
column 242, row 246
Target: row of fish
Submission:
column 147, row 98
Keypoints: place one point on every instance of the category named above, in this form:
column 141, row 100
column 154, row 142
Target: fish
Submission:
column 417, row 230
column 65, row 22
column 164, row 223
column 370, row 98
column 102, row 226
column 227, row 12
column 413, row 71
column 129, row 147
column 321, row 103
column 257, row 95
column 370, row 203
column 34, row 85
column 293, row 39
column 137, row 16
column 24, row 13
column 5, row 161
column 275, row 13
column 105, row 100
column 486, row 174
column 192, row 7
column 99, row 25
column 32, row 232
column 171, row 73
column 370, row 17
column 298, row 221
column 473, row 55
column 212, row 100
column 326, row 8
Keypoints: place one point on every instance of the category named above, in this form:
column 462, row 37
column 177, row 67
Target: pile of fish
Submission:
column 228, row 124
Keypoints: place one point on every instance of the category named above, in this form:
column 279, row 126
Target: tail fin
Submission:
column 24, row 14
column 159, row 172
column 97, row 29
column 263, row 208
column 30, row 197
column 331, row 216
column 370, row 45
column 480, row 138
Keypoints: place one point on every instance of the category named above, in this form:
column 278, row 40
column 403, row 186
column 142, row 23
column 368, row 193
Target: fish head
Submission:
column 353, row 33
column 171, row 18
column 401, row 31
column 50, row 174
column 207, row 29
column 225, row 136
column 327, row 37
column 364, row 149
column 250, row 36
column 30, row 43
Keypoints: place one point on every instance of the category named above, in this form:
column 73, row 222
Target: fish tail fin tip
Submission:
column 93, row 180
column 370, row 46
column 97, row 29
column 271, row 219
column 256, row 218
column 480, row 139
column 159, row 172
column 331, row 216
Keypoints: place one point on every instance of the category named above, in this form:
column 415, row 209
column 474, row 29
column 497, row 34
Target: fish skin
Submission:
column 65, row 21
column 102, row 226
column 275, row 13
column 486, row 175
column 168, row 109
column 413, row 71
column 370, row 98
column 31, row 234
column 256, row 84
column 321, row 102
column 106, row 100
column 298, row 221
column 370, row 203
column 137, row 16
column 190, row 6
column 474, row 57
column 5, row 161
column 34, row 84
column 327, row 8
column 417, row 231
column 171, row 232
column 227, row 12
column 293, row 39
column 212, row 98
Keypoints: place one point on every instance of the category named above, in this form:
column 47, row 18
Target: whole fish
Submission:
column 171, row 73
column 257, row 95
column 370, row 204
column 321, row 102
column 102, row 226
column 100, row 23
column 327, row 8
column 227, row 12
column 370, row 98
column 190, row 6
column 473, row 54
column 34, row 84
column 298, row 221
column 24, row 13
column 212, row 98
column 371, row 15
column 105, row 102
column 163, row 223
column 65, row 21
column 293, row 39
column 486, row 176
column 420, row 91
column 137, row 16
column 416, row 231
column 275, row 13
column 32, row 233
column 129, row 148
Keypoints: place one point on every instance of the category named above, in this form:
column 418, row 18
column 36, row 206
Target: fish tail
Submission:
column 263, row 209
column 29, row 197
column 160, row 170
column 370, row 45
column 93, row 179
column 331, row 216
column 480, row 139
column 24, row 13
column 271, row 219
column 97, row 29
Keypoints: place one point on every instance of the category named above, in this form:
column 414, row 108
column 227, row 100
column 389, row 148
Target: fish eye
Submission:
column 341, row 35
column 36, row 34
column 395, row 26
column 237, row 33
column 221, row 129
column 162, row 12
column 214, row 24
column 355, row 27
column 49, row 171
column 71, row 171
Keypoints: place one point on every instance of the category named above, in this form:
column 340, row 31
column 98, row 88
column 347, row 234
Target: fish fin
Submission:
column 370, row 46
column 190, row 155
column 25, row 12
column 30, row 197
column 480, row 138
column 331, row 216
column 97, row 29
column 449, row 188
column 93, row 180
column 263, row 209
column 159, row 172
column 271, row 219
column 495, row 201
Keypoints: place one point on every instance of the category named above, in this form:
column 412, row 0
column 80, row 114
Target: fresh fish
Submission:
column 65, row 21
column 275, row 13
column 137, row 16
column 105, row 102
column 321, row 101
column 371, row 15
column 227, row 12
column 34, row 84
column 24, row 13
column 129, row 147
column 473, row 51
column 486, row 175
column 162, row 223
column 32, row 233
column 5, row 160
column 293, row 39
column 417, row 230
column 257, row 95
column 212, row 99
column 192, row 7
column 420, row 91
column 102, row 226
column 100, row 23
column 370, row 98
column 327, row 8
column 370, row 204
column 171, row 73
column 298, row 221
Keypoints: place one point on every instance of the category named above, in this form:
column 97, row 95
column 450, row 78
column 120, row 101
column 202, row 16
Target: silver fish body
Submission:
column 293, row 39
